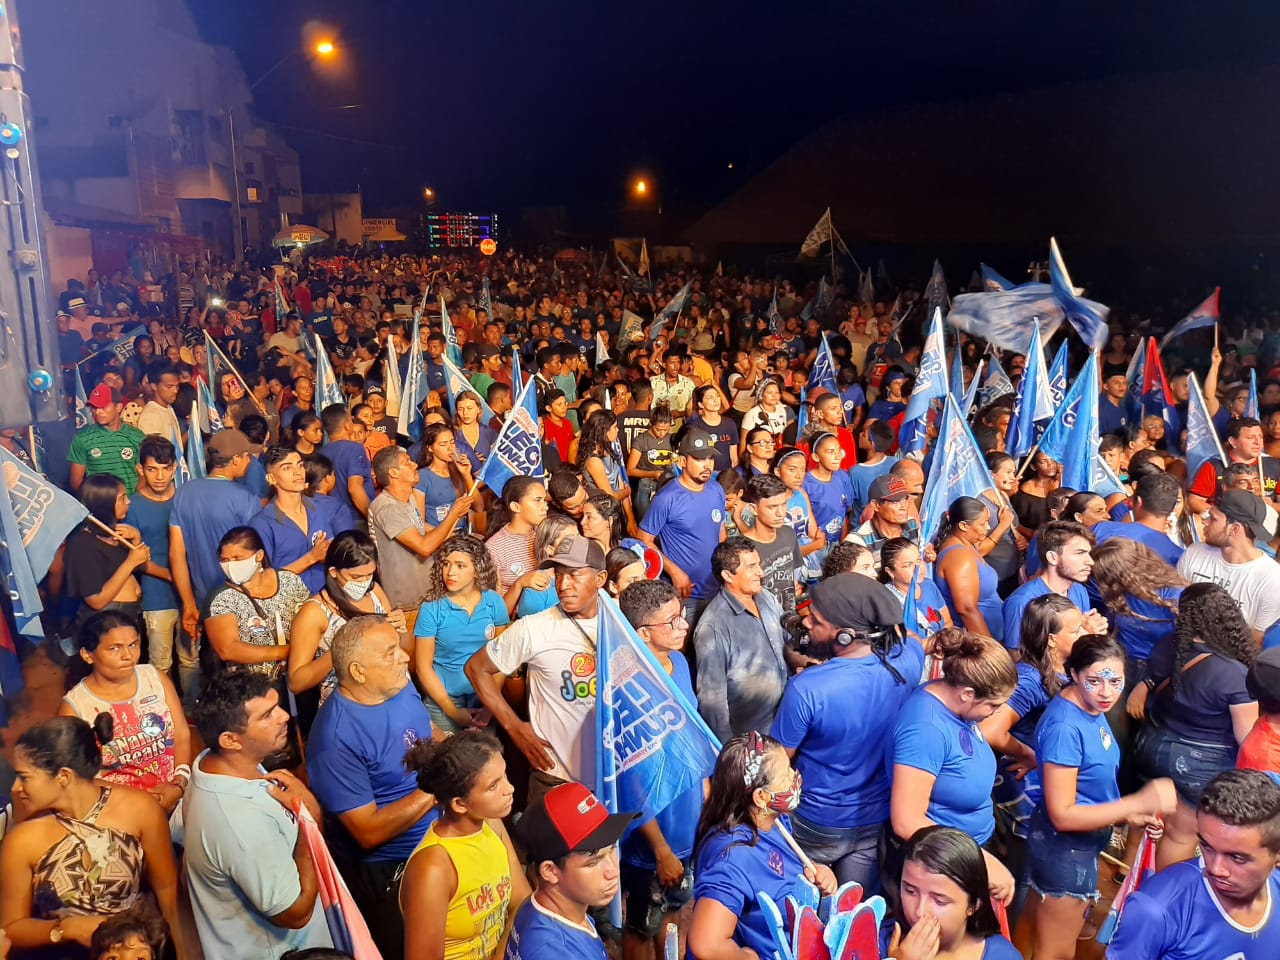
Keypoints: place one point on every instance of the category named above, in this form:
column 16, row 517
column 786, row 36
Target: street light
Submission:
column 325, row 47
column 641, row 187
column 322, row 48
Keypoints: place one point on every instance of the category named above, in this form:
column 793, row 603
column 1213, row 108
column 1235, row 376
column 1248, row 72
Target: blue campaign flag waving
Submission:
column 194, row 455
column 935, row 293
column 958, row 470
column 517, row 450
column 81, row 401
column 823, row 373
column 1003, row 317
column 1053, row 442
column 1251, row 410
column 1058, row 376
column 998, row 383
column 931, row 385
column 1087, row 316
column 956, row 381
column 1204, row 315
column 210, row 421
column 971, row 395
column 1080, row 453
column 672, row 310
column 451, row 350
column 1032, row 405
column 653, row 744
column 775, row 318
column 484, row 301
column 1202, row 438
column 413, row 392
column 44, row 514
column 328, row 392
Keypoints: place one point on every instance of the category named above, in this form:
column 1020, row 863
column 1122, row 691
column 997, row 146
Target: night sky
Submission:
column 502, row 105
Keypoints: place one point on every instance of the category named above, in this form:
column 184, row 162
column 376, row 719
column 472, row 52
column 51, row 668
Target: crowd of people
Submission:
column 341, row 631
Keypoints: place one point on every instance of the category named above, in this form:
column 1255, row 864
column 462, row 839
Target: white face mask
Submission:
column 240, row 572
column 356, row 589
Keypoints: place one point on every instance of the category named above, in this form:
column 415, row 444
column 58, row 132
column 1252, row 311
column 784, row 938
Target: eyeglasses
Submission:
column 669, row 624
column 762, row 443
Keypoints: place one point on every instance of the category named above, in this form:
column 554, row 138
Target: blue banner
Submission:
column 1087, row 316
column 930, row 385
column 517, row 450
column 958, row 470
column 44, row 513
column 484, row 301
column 80, row 402
column 971, row 395
column 935, row 294
column 654, row 746
column 997, row 384
column 1058, row 376
column 1080, row 452
column 1032, row 405
column 194, row 454
column 1202, row 438
column 992, row 280
column 210, row 420
column 451, row 348
column 456, row 384
column 328, row 390
column 414, row 391
column 1053, row 442
column 670, row 312
column 1004, row 317
column 823, row 373
column 1251, row 410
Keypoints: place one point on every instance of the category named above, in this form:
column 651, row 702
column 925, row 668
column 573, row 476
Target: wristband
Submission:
column 182, row 770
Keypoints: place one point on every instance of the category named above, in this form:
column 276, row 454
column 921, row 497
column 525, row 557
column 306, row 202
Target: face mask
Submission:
column 356, row 589
column 785, row 801
column 239, row 572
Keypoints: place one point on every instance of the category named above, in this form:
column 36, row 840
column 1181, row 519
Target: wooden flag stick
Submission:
column 210, row 342
column 109, row 532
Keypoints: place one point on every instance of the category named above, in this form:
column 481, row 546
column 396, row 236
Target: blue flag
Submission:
column 1252, row 409
column 931, row 385
column 992, row 280
column 1135, row 375
column 1202, row 438
column 1003, row 317
column 1204, row 315
column 654, row 747
column 194, row 455
column 328, row 390
column 210, row 421
column 517, row 375
column 911, row 609
column 775, row 318
column 802, row 415
column 671, row 311
column 1032, row 404
column 1088, row 317
column 484, row 301
column 1080, row 453
column 935, row 293
column 958, row 470
column 517, row 450
column 998, row 383
column 823, row 373
column 456, row 384
column 80, row 402
column 971, row 395
column 451, row 349
column 1058, row 376
column 44, row 513
column 1054, row 440
column 414, row 391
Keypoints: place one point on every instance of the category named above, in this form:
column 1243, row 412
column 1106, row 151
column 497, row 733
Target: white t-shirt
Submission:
column 156, row 418
column 562, row 684
column 1254, row 586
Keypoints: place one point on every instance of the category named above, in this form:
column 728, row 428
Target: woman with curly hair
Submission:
column 461, row 613
column 1200, row 708
column 600, row 459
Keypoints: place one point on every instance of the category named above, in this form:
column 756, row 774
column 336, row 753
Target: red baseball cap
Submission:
column 102, row 396
column 569, row 819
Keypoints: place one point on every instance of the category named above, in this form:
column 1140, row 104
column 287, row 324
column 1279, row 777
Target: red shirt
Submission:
column 562, row 436
column 1261, row 748
column 847, row 444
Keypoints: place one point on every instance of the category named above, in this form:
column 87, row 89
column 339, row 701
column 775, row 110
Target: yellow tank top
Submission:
column 478, row 911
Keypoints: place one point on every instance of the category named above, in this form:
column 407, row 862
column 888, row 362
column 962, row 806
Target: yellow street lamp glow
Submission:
column 428, row 192
column 325, row 47
column 641, row 187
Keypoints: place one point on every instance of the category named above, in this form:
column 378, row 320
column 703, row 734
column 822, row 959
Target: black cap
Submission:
column 698, row 444
column 1263, row 679
column 855, row 602
column 1246, row 509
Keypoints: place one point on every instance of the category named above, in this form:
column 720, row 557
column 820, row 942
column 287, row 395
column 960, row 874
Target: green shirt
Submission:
column 113, row 452
column 480, row 383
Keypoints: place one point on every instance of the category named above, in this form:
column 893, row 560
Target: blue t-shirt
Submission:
column 854, row 397
column 355, row 756
column 459, row 635
column 1111, row 418
column 831, row 501
column 732, row 873
column 204, row 510
column 688, row 527
column 342, row 516
column 255, row 479
column 535, row 601
column 537, row 933
column 885, row 410
column 862, row 475
column 285, row 542
column 1175, row 916
column 1151, row 623
column 439, row 493
column 480, row 452
column 1165, row 549
column 151, row 517
column 679, row 820
column 931, row 738
column 999, row 948
column 350, row 459
column 843, row 787
column 1016, row 604
column 1070, row 737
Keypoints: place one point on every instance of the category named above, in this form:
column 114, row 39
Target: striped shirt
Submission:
column 113, row 452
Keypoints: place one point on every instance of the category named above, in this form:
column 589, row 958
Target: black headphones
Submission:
column 882, row 639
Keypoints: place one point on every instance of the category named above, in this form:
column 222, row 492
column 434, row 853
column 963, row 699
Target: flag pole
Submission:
column 109, row 532
column 1027, row 462
column 210, row 342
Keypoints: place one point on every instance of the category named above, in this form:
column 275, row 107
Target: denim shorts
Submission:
column 852, row 853
column 647, row 901
column 1064, row 864
column 1189, row 764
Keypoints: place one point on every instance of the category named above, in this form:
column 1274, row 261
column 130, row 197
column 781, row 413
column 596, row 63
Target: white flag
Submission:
column 820, row 234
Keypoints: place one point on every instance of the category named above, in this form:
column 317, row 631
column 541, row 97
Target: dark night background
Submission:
column 504, row 105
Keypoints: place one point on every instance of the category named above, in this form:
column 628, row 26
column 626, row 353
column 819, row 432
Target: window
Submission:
column 250, row 168
column 215, row 129
column 251, row 194
column 189, row 133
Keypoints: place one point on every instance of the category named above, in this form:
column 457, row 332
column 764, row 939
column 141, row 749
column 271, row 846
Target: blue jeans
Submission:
column 1188, row 763
column 852, row 853
column 1064, row 864
column 466, row 701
